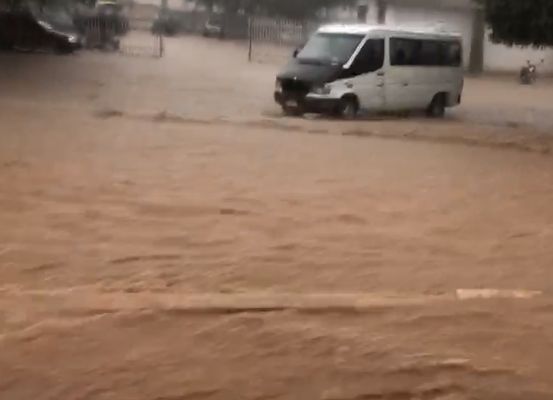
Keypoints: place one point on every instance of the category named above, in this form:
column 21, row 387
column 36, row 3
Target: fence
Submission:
column 274, row 40
column 121, row 35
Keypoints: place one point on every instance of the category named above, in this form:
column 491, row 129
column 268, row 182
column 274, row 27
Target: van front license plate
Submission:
column 291, row 103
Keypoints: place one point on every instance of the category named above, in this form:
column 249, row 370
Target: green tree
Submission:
column 520, row 22
column 297, row 9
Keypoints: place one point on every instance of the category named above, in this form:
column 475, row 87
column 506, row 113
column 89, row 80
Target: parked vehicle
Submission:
column 112, row 12
column 215, row 26
column 529, row 73
column 26, row 31
column 107, row 17
column 343, row 69
column 103, row 26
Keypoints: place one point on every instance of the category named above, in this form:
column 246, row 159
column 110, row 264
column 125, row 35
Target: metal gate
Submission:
column 121, row 35
column 274, row 40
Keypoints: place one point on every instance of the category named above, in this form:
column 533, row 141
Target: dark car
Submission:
column 27, row 31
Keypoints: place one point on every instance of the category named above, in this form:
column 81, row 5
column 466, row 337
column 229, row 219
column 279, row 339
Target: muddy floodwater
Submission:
column 166, row 234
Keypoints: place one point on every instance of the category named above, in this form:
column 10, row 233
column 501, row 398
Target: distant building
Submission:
column 462, row 16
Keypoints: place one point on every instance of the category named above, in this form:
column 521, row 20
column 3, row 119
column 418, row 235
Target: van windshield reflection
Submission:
column 329, row 48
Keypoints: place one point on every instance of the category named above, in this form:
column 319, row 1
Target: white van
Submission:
column 343, row 69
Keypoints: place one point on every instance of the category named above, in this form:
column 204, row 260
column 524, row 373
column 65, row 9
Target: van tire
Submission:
column 436, row 109
column 349, row 107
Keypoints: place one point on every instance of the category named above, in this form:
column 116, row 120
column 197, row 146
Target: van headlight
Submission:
column 322, row 89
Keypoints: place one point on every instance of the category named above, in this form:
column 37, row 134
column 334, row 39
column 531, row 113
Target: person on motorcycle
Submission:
column 529, row 73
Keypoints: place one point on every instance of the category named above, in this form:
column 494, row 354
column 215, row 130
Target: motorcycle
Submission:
column 529, row 73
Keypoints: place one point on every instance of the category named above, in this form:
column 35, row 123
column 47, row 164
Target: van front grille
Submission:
column 295, row 86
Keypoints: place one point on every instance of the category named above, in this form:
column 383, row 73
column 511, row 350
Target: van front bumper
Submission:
column 309, row 103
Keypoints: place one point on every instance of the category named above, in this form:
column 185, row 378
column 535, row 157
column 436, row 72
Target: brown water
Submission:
column 161, row 240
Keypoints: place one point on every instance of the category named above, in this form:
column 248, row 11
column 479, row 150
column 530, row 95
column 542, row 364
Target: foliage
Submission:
column 298, row 9
column 51, row 4
column 520, row 22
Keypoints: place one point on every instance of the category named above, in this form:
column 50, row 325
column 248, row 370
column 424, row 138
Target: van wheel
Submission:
column 436, row 109
column 349, row 107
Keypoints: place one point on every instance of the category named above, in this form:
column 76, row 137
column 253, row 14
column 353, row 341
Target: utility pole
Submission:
column 476, row 61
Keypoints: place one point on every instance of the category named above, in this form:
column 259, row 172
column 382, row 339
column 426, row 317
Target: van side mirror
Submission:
column 295, row 53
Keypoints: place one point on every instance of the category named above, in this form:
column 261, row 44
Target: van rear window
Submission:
column 417, row 52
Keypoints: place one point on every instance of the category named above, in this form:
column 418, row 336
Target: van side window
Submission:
column 430, row 53
column 404, row 51
column 370, row 58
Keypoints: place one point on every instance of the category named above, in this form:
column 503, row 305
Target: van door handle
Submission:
column 380, row 85
column 405, row 84
column 380, row 73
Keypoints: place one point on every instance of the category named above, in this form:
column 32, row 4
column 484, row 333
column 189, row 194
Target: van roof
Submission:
column 362, row 29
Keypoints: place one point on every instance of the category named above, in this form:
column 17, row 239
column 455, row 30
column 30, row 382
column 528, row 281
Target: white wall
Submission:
column 342, row 14
column 453, row 20
column 498, row 57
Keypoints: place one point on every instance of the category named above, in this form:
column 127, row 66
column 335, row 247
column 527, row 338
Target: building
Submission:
column 462, row 16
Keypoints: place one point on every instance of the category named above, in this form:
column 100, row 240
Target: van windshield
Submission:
column 330, row 48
